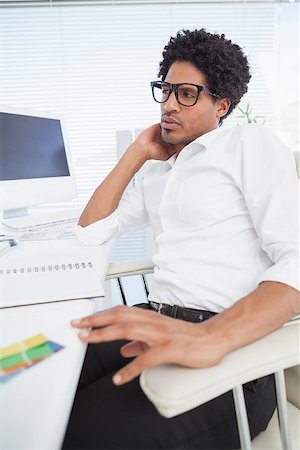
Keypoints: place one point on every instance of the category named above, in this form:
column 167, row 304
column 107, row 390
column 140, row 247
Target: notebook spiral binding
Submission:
column 47, row 268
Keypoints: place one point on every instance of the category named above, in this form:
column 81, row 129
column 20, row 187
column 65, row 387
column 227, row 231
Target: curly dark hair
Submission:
column 223, row 63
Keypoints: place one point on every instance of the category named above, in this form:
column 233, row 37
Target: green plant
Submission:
column 246, row 113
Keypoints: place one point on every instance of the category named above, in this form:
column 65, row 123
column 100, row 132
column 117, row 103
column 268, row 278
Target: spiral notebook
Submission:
column 47, row 279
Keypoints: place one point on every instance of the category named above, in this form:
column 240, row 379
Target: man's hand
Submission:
column 155, row 339
column 151, row 143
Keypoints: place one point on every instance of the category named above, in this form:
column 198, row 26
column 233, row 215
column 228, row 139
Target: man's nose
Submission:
column 171, row 104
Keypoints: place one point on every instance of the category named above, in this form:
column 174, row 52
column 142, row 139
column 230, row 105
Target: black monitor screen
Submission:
column 31, row 147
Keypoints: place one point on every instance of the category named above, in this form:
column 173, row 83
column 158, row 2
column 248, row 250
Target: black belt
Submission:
column 178, row 312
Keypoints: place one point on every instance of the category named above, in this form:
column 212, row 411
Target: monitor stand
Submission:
column 16, row 212
column 21, row 218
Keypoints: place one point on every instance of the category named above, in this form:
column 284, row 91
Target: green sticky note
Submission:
column 41, row 351
column 12, row 360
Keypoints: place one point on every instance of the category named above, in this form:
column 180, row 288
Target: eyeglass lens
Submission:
column 187, row 94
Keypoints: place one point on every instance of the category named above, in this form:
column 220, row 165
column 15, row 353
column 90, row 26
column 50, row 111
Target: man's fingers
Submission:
column 149, row 359
column 145, row 332
column 100, row 318
column 134, row 348
column 113, row 315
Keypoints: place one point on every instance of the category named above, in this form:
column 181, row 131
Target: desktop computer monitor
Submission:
column 35, row 164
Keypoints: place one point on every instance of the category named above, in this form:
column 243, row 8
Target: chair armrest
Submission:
column 174, row 389
column 128, row 268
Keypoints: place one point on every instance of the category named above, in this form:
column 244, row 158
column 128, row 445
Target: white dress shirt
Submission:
column 224, row 215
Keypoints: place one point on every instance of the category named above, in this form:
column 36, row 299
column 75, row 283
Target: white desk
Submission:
column 35, row 405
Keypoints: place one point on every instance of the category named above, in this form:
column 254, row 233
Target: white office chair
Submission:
column 276, row 353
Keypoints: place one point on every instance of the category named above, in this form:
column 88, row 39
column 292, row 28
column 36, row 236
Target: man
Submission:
column 223, row 207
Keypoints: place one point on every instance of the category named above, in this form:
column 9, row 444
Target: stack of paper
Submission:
column 23, row 355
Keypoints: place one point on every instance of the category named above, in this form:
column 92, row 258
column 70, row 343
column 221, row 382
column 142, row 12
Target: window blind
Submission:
column 93, row 65
column 120, row 2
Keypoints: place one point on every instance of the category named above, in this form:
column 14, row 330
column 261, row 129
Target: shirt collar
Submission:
column 171, row 161
column 206, row 139
column 198, row 144
column 168, row 164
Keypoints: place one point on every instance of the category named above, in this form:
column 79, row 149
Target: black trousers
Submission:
column 105, row 416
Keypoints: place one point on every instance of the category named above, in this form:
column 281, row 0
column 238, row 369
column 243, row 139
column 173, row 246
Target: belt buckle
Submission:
column 160, row 307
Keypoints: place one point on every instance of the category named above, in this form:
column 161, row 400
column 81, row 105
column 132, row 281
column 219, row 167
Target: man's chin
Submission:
column 170, row 137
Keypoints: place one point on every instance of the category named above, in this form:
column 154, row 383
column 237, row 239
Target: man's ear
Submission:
column 223, row 107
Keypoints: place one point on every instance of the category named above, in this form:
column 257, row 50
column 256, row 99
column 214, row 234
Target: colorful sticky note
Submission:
column 22, row 355
column 23, row 345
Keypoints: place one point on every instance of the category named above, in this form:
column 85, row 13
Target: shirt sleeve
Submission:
column 130, row 215
column 267, row 177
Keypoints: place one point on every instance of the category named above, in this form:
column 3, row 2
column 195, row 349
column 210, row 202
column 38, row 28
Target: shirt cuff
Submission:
column 98, row 232
column 286, row 272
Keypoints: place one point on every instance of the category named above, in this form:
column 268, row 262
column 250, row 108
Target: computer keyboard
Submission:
column 51, row 218
column 56, row 230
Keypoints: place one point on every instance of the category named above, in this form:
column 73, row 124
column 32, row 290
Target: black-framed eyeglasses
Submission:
column 186, row 94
